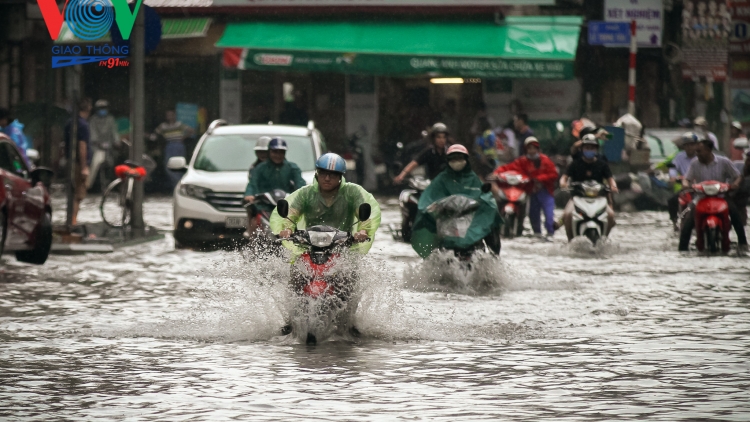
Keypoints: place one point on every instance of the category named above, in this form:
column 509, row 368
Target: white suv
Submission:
column 208, row 200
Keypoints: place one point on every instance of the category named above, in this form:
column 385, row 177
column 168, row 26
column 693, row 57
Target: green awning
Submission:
column 184, row 28
column 525, row 47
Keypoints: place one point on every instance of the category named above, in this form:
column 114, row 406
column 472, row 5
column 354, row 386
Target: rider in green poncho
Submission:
column 457, row 179
column 329, row 201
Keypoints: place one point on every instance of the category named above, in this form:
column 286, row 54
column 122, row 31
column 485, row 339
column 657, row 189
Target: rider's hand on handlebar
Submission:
column 360, row 236
column 249, row 199
column 284, row 234
column 398, row 179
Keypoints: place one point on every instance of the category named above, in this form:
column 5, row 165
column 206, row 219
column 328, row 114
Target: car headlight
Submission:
column 194, row 191
column 321, row 239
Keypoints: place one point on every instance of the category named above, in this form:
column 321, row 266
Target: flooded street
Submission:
column 634, row 330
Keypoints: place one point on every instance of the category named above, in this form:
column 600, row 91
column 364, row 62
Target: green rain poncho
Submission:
column 267, row 176
column 308, row 208
column 449, row 182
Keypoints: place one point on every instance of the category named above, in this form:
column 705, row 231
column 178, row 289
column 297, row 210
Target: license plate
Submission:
column 236, row 222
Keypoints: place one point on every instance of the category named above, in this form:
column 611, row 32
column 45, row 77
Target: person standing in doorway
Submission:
column 174, row 132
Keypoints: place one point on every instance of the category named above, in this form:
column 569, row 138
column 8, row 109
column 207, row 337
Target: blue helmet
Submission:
column 331, row 162
column 277, row 143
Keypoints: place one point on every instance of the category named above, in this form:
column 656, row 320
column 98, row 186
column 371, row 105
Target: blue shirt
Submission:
column 84, row 135
column 682, row 162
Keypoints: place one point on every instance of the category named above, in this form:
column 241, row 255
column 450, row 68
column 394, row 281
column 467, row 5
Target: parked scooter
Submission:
column 712, row 223
column 512, row 199
column 407, row 203
column 590, row 215
column 326, row 293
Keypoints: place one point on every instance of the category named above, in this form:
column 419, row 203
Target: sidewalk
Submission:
column 96, row 236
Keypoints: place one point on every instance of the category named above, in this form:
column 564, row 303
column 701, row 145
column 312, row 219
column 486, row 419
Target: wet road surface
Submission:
column 633, row 330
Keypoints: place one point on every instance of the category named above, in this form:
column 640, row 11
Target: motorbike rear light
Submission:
column 317, row 288
column 321, row 239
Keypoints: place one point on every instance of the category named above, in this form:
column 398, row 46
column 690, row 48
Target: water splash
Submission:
column 485, row 274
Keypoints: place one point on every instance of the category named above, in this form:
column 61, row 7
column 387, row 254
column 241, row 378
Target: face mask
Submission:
column 102, row 113
column 532, row 156
column 457, row 165
column 589, row 154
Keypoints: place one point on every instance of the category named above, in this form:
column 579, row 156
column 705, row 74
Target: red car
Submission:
column 25, row 211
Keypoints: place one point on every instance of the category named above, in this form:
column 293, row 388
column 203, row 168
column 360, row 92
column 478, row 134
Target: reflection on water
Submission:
column 633, row 330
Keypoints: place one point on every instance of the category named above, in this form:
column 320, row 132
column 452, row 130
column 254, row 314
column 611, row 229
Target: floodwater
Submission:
column 632, row 330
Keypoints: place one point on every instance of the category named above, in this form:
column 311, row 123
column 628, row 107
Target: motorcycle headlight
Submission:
column 321, row 239
column 194, row 191
column 712, row 189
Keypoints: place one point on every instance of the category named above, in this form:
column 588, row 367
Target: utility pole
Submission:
column 631, row 69
column 72, row 157
column 137, row 105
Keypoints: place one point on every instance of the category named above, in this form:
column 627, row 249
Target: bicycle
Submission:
column 117, row 199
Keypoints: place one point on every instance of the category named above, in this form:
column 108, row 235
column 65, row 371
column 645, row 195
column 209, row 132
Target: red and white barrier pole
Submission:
column 631, row 70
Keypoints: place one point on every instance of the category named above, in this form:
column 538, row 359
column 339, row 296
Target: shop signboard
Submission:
column 739, row 40
column 404, row 65
column 187, row 113
column 611, row 34
column 648, row 15
column 706, row 26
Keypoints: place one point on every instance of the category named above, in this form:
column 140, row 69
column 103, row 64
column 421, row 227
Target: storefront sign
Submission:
column 648, row 14
column 612, row 34
column 187, row 113
column 396, row 65
column 706, row 25
column 739, row 40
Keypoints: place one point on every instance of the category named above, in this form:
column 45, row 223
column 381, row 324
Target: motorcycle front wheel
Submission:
column 509, row 226
column 593, row 235
column 713, row 240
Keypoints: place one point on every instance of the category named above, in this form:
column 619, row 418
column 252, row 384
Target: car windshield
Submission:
column 235, row 152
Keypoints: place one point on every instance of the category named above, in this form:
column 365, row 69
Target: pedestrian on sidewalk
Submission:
column 104, row 140
column 175, row 133
column 83, row 154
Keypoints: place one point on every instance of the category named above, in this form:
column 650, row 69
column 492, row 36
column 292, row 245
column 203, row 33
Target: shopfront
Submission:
column 387, row 81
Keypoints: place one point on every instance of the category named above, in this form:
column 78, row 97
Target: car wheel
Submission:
column 3, row 232
column 39, row 254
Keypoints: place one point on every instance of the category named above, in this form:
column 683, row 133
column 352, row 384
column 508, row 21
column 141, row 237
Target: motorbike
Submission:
column 711, row 216
column 407, row 203
column 512, row 199
column 453, row 216
column 263, row 214
column 324, row 289
column 590, row 214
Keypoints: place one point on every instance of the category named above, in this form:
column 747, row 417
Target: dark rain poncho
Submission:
column 308, row 208
column 449, row 182
column 268, row 176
